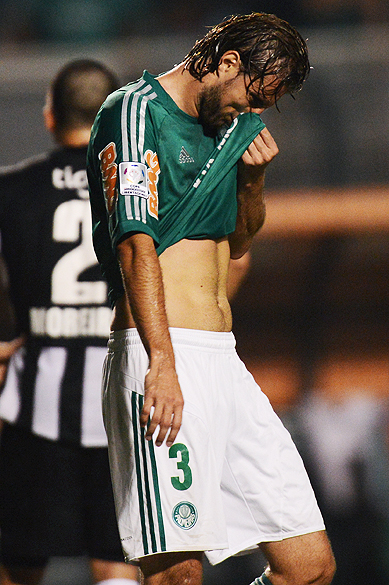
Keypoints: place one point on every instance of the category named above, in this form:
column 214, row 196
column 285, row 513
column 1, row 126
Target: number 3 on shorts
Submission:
column 181, row 464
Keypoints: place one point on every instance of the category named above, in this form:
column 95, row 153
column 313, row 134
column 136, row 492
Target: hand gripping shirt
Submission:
column 152, row 169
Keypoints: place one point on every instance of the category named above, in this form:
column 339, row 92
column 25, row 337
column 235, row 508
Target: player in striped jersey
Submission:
column 55, row 488
column 199, row 460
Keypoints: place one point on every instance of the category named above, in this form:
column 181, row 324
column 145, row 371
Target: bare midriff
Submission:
column 194, row 275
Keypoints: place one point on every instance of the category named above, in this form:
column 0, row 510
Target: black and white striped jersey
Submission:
column 53, row 384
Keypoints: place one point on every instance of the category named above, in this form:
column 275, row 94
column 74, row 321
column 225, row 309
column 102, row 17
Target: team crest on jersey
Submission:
column 185, row 515
column 133, row 179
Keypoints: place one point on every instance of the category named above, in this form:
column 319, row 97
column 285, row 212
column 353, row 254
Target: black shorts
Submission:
column 55, row 500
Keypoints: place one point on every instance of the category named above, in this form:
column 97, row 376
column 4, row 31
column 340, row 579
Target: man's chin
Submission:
column 212, row 129
column 208, row 129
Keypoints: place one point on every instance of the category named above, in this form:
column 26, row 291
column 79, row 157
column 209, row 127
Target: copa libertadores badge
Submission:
column 185, row 515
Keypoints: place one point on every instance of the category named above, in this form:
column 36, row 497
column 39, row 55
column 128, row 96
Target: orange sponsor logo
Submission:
column 108, row 168
column 153, row 171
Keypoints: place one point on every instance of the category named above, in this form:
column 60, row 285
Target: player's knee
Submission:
column 173, row 568
column 320, row 564
column 306, row 560
column 328, row 569
column 320, row 572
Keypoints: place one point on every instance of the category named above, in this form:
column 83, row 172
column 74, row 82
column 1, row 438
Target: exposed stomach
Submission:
column 194, row 275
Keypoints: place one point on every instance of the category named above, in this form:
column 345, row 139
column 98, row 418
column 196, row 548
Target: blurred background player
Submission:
column 55, row 489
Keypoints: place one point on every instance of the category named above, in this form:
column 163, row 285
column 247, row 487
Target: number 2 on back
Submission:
column 72, row 222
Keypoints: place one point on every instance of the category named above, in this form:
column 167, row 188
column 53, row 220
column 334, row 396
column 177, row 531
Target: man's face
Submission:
column 220, row 103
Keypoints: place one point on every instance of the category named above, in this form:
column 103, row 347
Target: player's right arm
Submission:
column 144, row 288
column 128, row 171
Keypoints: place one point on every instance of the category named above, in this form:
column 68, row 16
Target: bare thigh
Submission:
column 173, row 568
column 300, row 560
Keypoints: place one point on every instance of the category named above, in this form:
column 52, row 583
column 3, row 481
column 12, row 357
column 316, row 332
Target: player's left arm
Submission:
column 237, row 272
column 250, row 195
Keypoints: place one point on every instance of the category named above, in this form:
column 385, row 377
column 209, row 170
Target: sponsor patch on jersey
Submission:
column 185, row 515
column 133, row 179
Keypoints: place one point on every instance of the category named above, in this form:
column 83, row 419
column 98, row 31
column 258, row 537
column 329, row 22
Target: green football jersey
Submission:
column 145, row 155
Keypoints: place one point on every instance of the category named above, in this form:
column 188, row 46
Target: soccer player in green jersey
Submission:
column 199, row 461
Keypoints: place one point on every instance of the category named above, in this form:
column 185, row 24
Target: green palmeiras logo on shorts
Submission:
column 185, row 515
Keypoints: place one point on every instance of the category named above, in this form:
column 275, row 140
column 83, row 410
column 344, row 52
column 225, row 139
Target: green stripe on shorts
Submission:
column 148, row 486
column 136, row 425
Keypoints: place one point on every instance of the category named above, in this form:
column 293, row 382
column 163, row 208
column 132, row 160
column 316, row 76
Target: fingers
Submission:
column 262, row 149
column 164, row 418
column 175, row 427
column 264, row 145
column 162, row 408
column 144, row 415
column 266, row 137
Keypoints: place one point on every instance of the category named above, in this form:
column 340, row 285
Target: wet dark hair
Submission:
column 266, row 44
column 77, row 92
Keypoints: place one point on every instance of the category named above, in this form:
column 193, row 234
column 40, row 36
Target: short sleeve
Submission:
column 125, row 165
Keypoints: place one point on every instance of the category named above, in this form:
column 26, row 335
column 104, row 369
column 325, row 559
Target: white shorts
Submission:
column 232, row 479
